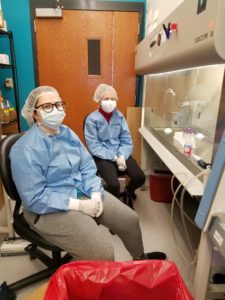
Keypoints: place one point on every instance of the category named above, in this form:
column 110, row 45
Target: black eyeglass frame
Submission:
column 59, row 105
column 108, row 98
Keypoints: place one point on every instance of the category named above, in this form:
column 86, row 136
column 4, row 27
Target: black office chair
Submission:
column 21, row 226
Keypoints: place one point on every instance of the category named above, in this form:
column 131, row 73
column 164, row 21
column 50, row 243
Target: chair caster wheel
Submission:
column 113, row 233
column 30, row 250
column 32, row 256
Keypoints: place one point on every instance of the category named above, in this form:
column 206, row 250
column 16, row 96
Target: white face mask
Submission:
column 108, row 105
column 53, row 119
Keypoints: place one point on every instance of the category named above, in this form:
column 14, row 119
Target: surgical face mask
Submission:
column 53, row 119
column 108, row 105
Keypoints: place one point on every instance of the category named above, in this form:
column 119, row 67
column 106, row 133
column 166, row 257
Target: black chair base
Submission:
column 52, row 265
column 127, row 199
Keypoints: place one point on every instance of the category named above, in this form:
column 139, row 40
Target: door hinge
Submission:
column 34, row 26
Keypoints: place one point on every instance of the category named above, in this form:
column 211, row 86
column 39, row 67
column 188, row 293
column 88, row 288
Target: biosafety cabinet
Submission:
column 183, row 60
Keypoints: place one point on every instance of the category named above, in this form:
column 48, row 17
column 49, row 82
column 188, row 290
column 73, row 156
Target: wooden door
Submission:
column 62, row 54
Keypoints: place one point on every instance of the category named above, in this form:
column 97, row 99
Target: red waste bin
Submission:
column 107, row 280
column 160, row 186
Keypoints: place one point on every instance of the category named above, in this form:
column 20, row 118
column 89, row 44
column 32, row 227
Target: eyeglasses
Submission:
column 108, row 98
column 48, row 107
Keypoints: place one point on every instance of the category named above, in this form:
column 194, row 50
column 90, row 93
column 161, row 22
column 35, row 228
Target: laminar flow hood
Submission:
column 193, row 35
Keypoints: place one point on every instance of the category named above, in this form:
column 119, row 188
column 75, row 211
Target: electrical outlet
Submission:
column 9, row 83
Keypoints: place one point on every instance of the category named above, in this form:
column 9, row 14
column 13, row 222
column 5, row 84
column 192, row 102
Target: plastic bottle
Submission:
column 188, row 137
column 11, row 109
column 6, row 116
column 12, row 113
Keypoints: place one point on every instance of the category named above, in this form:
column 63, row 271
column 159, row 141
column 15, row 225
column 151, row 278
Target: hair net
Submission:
column 28, row 109
column 103, row 89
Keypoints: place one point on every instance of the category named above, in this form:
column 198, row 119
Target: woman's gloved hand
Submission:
column 91, row 207
column 121, row 163
column 97, row 196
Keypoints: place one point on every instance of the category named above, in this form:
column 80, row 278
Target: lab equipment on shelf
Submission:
column 10, row 114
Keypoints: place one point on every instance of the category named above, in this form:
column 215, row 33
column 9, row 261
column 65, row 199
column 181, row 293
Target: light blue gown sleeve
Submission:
column 29, row 167
column 96, row 147
column 126, row 145
column 91, row 182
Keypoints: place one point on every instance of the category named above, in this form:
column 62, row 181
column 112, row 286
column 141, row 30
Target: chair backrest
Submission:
column 19, row 223
column 84, row 122
column 5, row 168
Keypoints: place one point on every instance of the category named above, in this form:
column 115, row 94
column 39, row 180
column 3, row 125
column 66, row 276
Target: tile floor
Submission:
column 157, row 235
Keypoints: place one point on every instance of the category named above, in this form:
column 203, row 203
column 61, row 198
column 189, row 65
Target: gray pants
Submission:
column 80, row 235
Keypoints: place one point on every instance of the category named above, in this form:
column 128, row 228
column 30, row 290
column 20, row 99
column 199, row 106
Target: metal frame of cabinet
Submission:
column 12, row 66
column 8, row 229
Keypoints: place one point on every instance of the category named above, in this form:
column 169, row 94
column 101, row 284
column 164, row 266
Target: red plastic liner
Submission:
column 132, row 280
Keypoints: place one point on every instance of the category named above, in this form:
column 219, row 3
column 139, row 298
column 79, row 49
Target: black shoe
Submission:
column 218, row 278
column 153, row 255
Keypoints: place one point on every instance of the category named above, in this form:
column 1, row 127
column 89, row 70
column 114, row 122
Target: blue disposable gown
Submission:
column 107, row 140
column 48, row 170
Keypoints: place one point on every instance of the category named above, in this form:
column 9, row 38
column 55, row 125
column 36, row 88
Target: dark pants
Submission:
column 109, row 172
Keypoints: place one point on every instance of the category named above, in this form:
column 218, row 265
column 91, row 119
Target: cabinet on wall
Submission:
column 1, row 191
column 12, row 125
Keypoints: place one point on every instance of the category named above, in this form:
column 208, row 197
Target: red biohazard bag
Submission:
column 132, row 280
